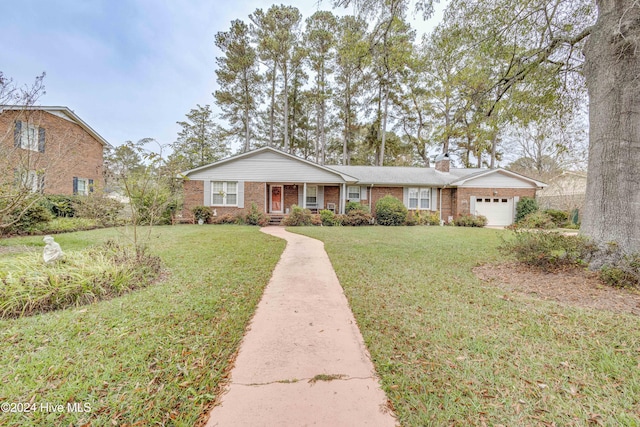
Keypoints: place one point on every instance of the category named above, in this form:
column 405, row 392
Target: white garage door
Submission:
column 498, row 210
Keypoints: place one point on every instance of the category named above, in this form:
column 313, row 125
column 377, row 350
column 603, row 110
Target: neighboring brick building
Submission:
column 50, row 149
column 275, row 181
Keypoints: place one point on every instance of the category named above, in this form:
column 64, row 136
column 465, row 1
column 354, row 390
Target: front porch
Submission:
column 280, row 197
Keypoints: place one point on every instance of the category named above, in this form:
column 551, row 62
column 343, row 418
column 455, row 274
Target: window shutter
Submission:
column 75, row 185
column 16, row 133
column 240, row 195
column 90, row 186
column 472, row 205
column 320, row 197
column 363, row 193
column 405, row 196
column 41, row 138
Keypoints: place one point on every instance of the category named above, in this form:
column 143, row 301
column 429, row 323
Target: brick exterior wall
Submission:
column 69, row 151
column 254, row 192
column 290, row 197
column 378, row 193
column 332, row 195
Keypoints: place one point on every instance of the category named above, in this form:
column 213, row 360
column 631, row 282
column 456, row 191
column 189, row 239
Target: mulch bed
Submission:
column 575, row 287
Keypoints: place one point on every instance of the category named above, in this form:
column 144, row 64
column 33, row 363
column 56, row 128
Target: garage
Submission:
column 498, row 210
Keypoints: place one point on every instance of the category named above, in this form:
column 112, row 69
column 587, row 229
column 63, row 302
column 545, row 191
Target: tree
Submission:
column 277, row 35
column 550, row 36
column 352, row 57
column 611, row 71
column 391, row 47
column 320, row 40
column 239, row 80
column 199, row 142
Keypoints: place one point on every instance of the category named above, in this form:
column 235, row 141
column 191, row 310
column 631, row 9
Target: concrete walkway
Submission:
column 303, row 361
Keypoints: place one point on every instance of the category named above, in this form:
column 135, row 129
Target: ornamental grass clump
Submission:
column 29, row 286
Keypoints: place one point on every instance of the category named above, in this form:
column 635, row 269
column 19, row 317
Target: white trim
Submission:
column 226, row 193
column 419, row 198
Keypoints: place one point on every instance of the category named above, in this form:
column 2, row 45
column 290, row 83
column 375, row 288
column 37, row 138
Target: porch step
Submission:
column 275, row 219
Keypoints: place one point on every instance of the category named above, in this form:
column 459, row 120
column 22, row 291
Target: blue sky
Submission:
column 129, row 68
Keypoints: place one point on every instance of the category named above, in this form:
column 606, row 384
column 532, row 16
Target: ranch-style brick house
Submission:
column 50, row 149
column 275, row 181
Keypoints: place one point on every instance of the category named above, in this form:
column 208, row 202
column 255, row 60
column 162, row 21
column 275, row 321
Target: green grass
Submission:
column 451, row 350
column 155, row 356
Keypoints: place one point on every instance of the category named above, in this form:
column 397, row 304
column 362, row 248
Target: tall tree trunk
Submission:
column 347, row 117
column 612, row 67
column 273, row 105
column 286, row 109
column 247, row 106
column 383, row 139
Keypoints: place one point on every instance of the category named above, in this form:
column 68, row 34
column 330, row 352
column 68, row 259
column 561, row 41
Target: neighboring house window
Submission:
column 82, row 186
column 312, row 196
column 29, row 137
column 224, row 193
column 353, row 192
column 419, row 198
column 32, row 180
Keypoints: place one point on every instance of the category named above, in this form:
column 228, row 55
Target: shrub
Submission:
column 470, row 221
column 538, row 219
column 356, row 218
column 298, row 217
column 316, row 220
column 427, row 217
column 355, row 206
column 83, row 277
column 65, row 225
column 104, row 210
column 390, row 211
column 412, row 219
column 225, row 219
column 560, row 218
column 525, row 206
column 202, row 212
column 28, row 219
column 328, row 218
column 61, row 206
column 623, row 273
column 548, row 250
column 256, row 217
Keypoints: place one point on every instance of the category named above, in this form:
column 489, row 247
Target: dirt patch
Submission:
column 574, row 287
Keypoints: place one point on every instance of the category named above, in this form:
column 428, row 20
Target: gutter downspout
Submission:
column 441, row 221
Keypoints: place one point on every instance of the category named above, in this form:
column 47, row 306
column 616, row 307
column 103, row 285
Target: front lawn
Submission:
column 152, row 357
column 452, row 350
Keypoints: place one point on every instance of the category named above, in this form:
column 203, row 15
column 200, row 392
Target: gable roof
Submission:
column 59, row 111
column 486, row 172
column 375, row 175
column 258, row 151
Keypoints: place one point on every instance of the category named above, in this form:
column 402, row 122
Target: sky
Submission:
column 129, row 68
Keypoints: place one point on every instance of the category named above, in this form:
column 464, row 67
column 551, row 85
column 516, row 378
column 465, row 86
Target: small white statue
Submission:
column 52, row 250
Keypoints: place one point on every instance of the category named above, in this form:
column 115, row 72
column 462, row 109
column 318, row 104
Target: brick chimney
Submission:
column 443, row 162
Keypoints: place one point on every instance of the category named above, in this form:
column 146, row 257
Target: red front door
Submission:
column 276, row 198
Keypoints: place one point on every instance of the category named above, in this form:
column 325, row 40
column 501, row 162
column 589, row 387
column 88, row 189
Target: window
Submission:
column 312, row 196
column 29, row 137
column 353, row 192
column 224, row 193
column 82, row 186
column 31, row 180
column 419, row 198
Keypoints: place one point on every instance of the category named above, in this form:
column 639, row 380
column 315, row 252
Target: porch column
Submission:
column 342, row 198
column 304, row 195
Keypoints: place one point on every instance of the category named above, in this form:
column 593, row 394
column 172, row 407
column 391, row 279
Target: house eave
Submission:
column 73, row 116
